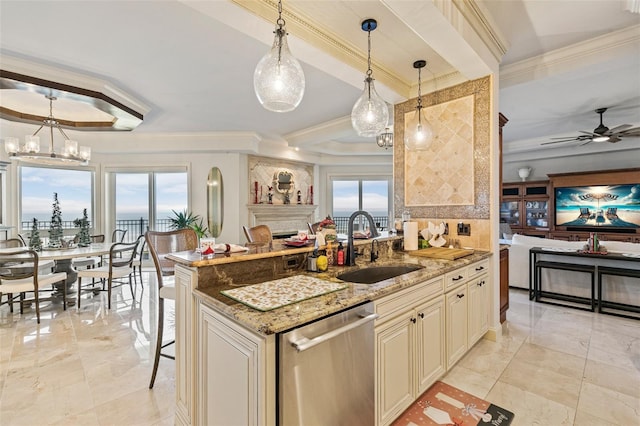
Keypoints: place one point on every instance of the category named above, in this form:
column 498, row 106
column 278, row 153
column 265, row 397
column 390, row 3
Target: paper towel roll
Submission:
column 410, row 235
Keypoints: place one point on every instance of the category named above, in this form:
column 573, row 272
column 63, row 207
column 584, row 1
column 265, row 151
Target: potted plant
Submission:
column 185, row 219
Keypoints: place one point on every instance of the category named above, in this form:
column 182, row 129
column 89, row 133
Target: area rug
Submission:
column 443, row 404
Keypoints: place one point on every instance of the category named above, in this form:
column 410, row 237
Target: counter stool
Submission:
column 603, row 303
column 539, row 293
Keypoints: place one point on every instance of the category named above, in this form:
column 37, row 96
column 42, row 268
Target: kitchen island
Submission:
column 213, row 330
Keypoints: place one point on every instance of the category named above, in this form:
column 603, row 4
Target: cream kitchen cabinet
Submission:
column 230, row 354
column 468, row 308
column 457, row 327
column 212, row 350
column 410, row 351
column 478, row 315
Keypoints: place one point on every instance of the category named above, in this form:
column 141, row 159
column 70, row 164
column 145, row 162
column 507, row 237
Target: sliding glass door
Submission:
column 146, row 199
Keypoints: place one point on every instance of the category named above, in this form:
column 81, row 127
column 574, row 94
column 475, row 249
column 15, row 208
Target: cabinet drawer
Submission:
column 478, row 268
column 455, row 278
column 393, row 304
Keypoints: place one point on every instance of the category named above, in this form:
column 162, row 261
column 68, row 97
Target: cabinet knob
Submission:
column 480, row 283
column 480, row 268
column 460, row 296
column 421, row 315
column 413, row 320
column 459, row 277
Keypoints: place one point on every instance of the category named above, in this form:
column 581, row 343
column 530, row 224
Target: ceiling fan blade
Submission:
column 614, row 139
column 589, row 133
column 618, row 129
column 566, row 140
column 589, row 141
column 630, row 132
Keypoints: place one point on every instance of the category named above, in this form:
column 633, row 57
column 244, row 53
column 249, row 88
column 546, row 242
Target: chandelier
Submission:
column 385, row 139
column 30, row 151
column 418, row 131
column 278, row 79
column 370, row 113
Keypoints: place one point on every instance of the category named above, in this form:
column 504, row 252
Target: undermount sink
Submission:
column 374, row 274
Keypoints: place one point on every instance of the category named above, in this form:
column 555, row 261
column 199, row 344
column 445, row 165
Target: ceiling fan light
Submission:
column 278, row 79
column 601, row 139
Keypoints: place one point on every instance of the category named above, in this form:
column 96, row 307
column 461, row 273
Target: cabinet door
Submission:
column 185, row 281
column 395, row 373
column 431, row 360
column 478, row 315
column 456, row 324
column 229, row 367
column 510, row 212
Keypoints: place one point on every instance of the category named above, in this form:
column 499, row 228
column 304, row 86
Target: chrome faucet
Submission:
column 351, row 254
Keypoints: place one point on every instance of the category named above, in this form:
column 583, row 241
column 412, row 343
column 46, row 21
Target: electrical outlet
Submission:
column 464, row 229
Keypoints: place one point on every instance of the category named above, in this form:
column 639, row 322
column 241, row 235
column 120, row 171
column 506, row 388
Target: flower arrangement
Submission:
column 326, row 223
column 328, row 229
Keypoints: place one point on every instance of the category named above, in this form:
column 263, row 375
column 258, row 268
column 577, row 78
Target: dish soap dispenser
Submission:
column 340, row 254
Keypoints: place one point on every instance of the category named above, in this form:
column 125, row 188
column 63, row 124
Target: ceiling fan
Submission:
column 601, row 133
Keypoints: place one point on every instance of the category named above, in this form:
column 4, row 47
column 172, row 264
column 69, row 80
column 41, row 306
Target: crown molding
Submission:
column 482, row 23
column 618, row 43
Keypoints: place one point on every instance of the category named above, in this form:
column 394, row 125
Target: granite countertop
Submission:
column 275, row 249
column 291, row 316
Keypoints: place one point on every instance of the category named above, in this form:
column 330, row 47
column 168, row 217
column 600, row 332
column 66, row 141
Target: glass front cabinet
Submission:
column 524, row 206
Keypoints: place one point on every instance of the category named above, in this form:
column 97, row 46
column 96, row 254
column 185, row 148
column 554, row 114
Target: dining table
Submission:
column 63, row 258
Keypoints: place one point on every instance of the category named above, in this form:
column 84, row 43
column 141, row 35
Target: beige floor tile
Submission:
column 549, row 359
column 529, row 408
column 143, row 406
column 623, row 380
column 543, row 382
column 585, row 419
column 489, row 358
column 469, row 381
column 560, row 342
column 609, row 405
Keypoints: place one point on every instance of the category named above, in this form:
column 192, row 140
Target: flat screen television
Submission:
column 610, row 207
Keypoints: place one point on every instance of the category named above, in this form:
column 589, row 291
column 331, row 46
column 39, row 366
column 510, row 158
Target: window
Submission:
column 352, row 194
column 145, row 200
column 37, row 186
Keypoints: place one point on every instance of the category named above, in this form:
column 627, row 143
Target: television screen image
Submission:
column 610, row 206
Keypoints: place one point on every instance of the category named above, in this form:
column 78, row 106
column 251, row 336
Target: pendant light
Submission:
column 370, row 113
column 278, row 79
column 418, row 132
column 385, row 139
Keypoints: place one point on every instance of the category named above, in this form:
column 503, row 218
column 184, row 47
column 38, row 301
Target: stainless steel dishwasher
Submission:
column 326, row 371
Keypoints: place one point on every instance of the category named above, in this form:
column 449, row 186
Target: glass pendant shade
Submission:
column 278, row 79
column 418, row 132
column 370, row 113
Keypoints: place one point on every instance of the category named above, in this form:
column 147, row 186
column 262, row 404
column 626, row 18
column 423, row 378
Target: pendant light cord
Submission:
column 369, row 70
column 280, row 31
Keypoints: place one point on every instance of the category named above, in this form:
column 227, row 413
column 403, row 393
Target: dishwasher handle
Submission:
column 304, row 343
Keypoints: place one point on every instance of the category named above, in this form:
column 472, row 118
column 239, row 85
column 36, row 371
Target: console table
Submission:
column 617, row 264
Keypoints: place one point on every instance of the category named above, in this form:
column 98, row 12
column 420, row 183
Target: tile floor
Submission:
column 553, row 366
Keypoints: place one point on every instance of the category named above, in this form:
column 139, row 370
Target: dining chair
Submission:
column 15, row 279
column 89, row 261
column 138, row 259
column 258, row 234
column 11, row 243
column 117, row 236
column 118, row 266
column 160, row 244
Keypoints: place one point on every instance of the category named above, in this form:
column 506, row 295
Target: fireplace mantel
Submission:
column 282, row 218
